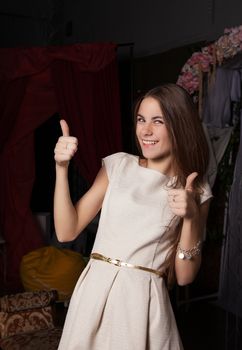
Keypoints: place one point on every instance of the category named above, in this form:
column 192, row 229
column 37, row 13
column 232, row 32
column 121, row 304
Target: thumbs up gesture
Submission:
column 182, row 201
column 66, row 146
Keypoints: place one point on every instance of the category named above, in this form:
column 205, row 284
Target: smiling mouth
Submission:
column 149, row 142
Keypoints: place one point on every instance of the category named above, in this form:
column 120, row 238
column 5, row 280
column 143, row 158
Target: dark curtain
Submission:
column 81, row 83
column 89, row 101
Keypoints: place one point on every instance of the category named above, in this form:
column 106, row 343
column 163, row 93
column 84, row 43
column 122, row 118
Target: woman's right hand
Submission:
column 66, row 146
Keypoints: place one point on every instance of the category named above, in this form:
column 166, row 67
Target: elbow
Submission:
column 185, row 278
column 186, row 274
column 61, row 239
column 64, row 237
column 184, row 281
column 65, row 233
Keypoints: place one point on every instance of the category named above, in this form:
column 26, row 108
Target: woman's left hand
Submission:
column 182, row 201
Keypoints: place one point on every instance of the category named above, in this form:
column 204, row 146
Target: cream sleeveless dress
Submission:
column 121, row 308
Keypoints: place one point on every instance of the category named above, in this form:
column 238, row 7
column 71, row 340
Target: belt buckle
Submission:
column 116, row 262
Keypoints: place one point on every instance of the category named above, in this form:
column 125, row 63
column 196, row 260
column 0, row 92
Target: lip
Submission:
column 149, row 142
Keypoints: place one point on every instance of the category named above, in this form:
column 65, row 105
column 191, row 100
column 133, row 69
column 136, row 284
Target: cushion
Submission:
column 12, row 323
column 47, row 339
column 27, row 300
column 51, row 268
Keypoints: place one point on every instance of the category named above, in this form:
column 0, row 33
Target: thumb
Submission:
column 189, row 181
column 64, row 128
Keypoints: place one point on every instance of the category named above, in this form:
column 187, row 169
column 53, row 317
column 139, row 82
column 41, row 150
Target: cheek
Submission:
column 166, row 136
column 137, row 130
column 166, row 140
column 137, row 135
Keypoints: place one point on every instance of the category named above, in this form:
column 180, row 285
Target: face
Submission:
column 151, row 131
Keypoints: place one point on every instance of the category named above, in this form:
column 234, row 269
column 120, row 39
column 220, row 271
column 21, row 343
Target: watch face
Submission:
column 181, row 256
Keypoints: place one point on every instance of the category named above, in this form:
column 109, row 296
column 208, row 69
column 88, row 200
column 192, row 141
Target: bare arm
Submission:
column 70, row 220
column 192, row 232
column 194, row 216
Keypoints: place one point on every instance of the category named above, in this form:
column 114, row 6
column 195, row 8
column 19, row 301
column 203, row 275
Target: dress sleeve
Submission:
column 206, row 193
column 112, row 163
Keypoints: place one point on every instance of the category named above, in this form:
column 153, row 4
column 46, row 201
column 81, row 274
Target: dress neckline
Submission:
column 157, row 172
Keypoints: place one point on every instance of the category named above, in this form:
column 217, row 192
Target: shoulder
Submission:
column 114, row 157
column 113, row 162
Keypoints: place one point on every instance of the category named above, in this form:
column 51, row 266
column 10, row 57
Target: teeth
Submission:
column 147, row 142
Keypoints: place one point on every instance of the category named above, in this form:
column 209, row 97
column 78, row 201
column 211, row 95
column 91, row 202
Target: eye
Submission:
column 159, row 121
column 140, row 119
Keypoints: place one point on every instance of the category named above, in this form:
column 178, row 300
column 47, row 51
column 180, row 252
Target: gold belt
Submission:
column 120, row 263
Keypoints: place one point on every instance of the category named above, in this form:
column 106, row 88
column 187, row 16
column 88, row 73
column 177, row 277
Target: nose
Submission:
column 147, row 129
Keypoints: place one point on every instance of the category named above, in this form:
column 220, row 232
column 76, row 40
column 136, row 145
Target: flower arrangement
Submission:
column 227, row 46
column 191, row 78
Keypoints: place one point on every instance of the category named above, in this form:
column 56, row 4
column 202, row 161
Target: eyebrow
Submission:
column 153, row 118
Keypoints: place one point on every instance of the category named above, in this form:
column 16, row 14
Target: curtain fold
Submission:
column 90, row 104
column 81, row 83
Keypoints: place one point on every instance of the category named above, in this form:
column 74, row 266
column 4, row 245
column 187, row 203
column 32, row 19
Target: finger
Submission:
column 189, row 181
column 68, row 139
column 71, row 147
column 64, row 128
column 175, row 192
column 179, row 195
column 177, row 202
column 64, row 151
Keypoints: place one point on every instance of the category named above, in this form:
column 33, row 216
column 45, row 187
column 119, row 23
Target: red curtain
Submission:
column 81, row 83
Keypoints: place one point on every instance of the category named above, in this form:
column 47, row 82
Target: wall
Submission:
column 153, row 26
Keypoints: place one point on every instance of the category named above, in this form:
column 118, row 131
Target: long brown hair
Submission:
column 190, row 150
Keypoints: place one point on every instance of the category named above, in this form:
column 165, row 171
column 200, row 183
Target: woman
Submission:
column 154, row 211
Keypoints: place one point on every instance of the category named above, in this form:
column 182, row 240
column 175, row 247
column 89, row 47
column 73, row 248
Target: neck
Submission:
column 164, row 166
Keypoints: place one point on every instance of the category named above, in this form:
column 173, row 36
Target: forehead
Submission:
column 150, row 106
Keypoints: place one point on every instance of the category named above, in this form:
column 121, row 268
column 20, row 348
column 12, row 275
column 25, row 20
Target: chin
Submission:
column 156, row 156
column 151, row 154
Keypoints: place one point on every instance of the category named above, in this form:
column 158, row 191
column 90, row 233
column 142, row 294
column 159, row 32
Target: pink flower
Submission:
column 234, row 30
column 225, row 47
column 227, row 30
column 240, row 35
column 235, row 39
column 189, row 81
column 208, row 50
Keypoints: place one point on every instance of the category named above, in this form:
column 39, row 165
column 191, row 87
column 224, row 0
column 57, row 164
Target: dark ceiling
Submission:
column 153, row 26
